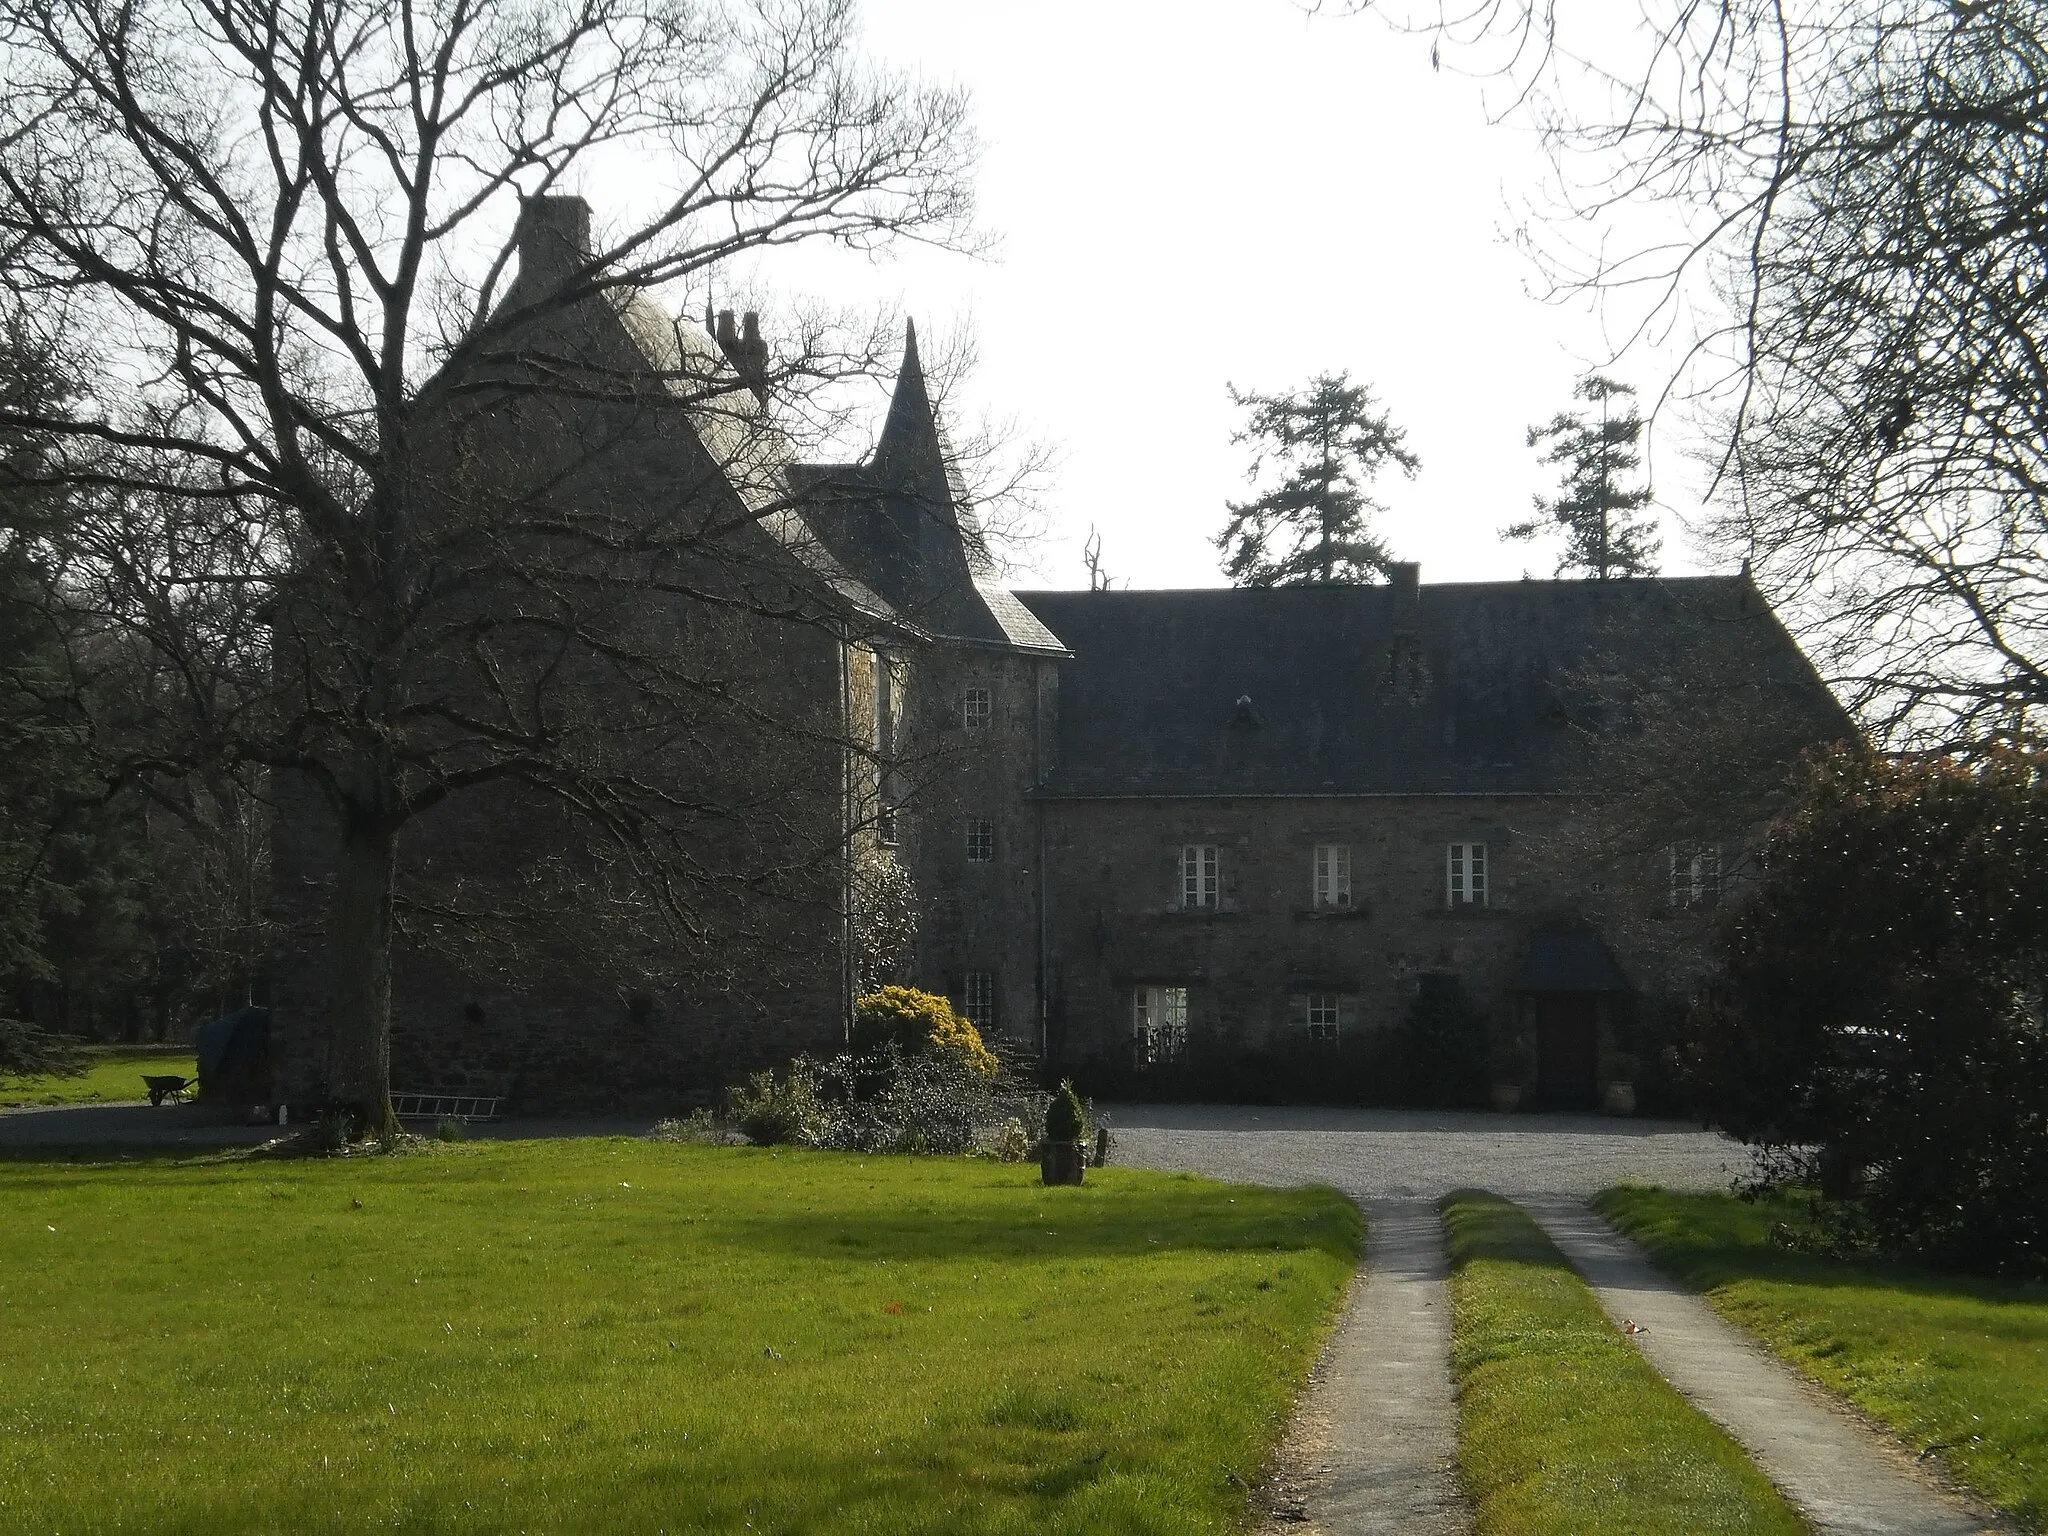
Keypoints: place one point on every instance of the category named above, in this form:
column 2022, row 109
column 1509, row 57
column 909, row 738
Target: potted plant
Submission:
column 1618, row 1073
column 1510, row 1066
column 1060, row 1158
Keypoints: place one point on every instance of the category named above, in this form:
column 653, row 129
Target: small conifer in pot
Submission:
column 1065, row 1124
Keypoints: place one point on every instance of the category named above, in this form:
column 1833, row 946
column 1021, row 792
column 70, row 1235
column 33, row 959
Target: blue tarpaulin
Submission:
column 234, row 1054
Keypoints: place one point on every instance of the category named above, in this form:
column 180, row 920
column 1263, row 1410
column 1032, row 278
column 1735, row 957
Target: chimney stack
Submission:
column 745, row 349
column 553, row 239
column 1405, row 577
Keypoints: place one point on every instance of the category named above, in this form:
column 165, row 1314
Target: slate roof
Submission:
column 903, row 525
column 1460, row 688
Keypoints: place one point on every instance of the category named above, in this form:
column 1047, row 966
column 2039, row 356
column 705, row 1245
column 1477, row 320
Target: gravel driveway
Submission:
column 1373, row 1154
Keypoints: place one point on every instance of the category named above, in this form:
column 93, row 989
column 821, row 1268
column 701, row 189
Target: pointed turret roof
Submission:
column 904, row 524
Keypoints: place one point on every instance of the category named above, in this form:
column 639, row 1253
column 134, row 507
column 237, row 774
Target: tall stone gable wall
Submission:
column 569, row 1008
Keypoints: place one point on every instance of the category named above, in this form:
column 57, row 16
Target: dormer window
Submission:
column 1332, row 875
column 976, row 708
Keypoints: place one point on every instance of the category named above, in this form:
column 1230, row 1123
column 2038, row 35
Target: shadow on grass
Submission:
column 1479, row 1226
column 925, row 1210
column 1122, row 1221
column 1710, row 1240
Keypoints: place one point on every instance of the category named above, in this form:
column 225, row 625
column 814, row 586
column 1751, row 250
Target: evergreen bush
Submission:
column 890, row 1101
column 1880, row 1022
column 1444, row 1046
column 1065, row 1120
column 27, row 1050
column 771, row 1111
column 918, row 1023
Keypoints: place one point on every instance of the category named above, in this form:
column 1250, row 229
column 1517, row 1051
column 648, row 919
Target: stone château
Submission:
column 1180, row 843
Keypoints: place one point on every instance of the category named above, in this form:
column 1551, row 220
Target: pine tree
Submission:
column 1328, row 441
column 1597, row 449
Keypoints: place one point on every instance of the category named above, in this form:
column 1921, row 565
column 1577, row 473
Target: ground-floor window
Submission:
column 1321, row 1010
column 978, row 999
column 1159, row 1019
column 1324, row 1016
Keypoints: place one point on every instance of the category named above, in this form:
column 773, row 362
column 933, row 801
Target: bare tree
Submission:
column 310, row 337
column 1844, row 203
column 1099, row 579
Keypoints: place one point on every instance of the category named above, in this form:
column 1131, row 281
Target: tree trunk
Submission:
column 359, row 940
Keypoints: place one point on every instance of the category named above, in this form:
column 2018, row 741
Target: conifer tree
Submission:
column 1595, row 506
column 1328, row 442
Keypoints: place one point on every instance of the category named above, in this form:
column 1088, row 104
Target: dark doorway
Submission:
column 1567, row 1050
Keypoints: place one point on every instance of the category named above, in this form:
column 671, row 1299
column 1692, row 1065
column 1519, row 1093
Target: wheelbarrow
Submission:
column 176, row 1089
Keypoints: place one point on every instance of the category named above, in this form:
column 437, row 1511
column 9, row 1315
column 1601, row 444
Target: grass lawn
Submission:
column 1949, row 1362
column 617, row 1336
column 113, row 1076
column 1562, row 1426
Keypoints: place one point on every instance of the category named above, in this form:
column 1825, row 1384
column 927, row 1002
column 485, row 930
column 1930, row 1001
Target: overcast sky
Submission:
column 1188, row 196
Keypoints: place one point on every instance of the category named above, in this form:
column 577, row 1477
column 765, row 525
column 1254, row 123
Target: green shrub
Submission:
column 777, row 1112
column 1064, row 1118
column 1444, row 1045
column 1011, row 1142
column 27, row 1050
column 1894, row 1018
column 451, row 1129
column 918, row 1023
column 889, row 1101
column 337, row 1129
column 700, row 1126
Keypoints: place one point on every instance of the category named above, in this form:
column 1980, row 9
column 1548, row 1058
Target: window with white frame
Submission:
column 1695, row 875
column 976, row 708
column 888, row 825
column 981, row 840
column 1333, row 875
column 1465, row 874
column 978, row 999
column 1321, row 1013
column 1198, row 883
column 1159, row 1024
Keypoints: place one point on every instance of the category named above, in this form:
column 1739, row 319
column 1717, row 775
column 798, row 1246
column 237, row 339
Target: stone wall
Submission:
column 571, row 993
column 975, row 916
column 561, row 534
column 1115, row 923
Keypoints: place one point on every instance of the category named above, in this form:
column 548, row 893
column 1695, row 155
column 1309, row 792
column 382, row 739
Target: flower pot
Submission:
column 1062, row 1162
column 1620, row 1099
column 1507, row 1098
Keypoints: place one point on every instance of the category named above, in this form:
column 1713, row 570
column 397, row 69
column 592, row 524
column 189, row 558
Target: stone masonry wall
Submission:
column 1115, row 923
column 979, row 916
